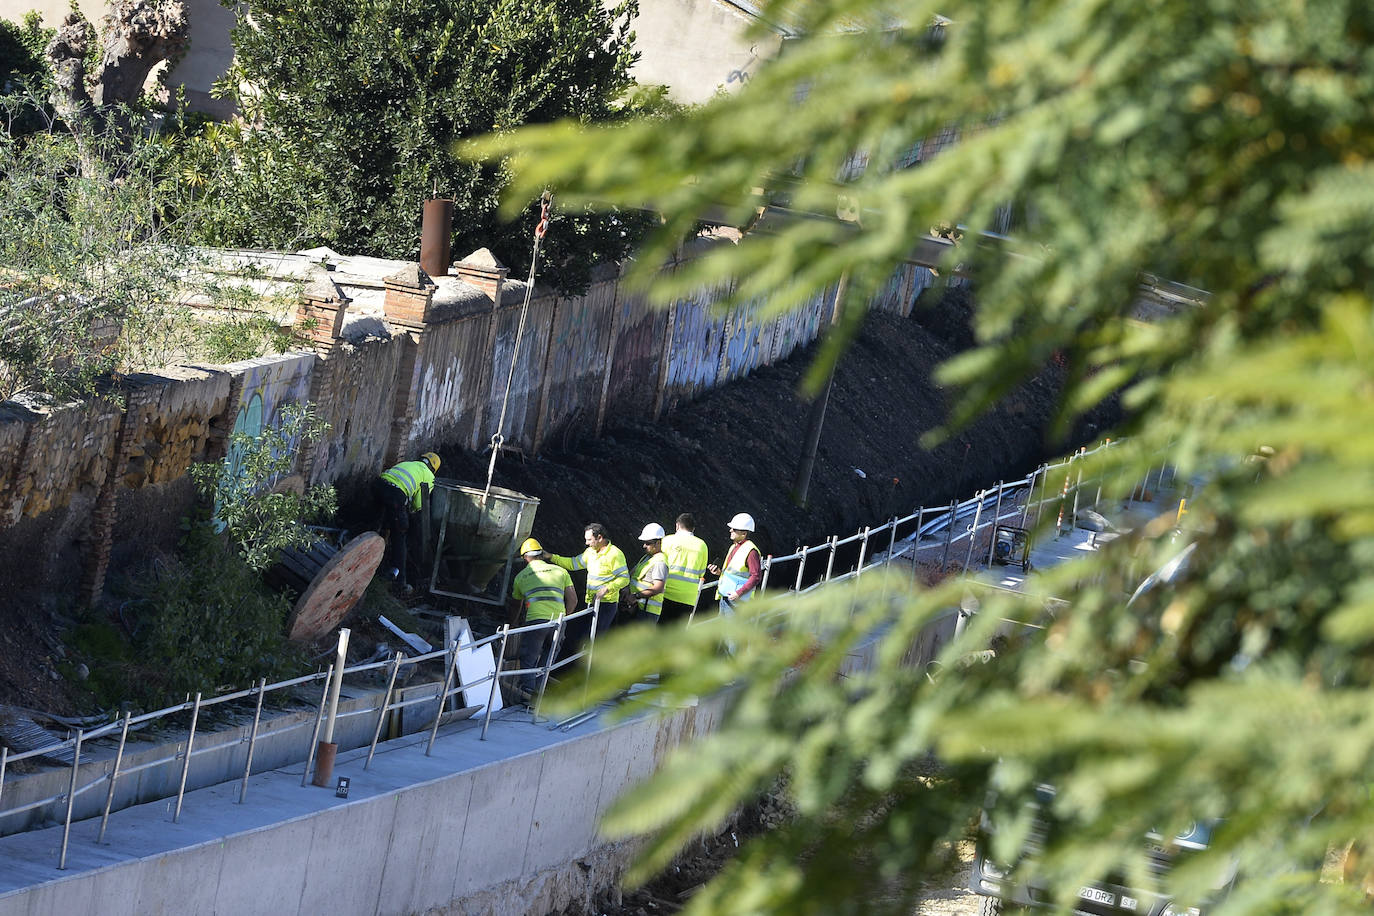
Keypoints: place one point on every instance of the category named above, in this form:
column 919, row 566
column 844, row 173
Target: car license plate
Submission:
column 1096, row 895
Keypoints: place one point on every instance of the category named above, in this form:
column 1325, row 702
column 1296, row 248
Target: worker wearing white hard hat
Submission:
column 542, row 591
column 649, row 575
column 743, row 566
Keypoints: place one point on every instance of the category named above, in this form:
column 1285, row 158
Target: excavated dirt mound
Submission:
column 737, row 448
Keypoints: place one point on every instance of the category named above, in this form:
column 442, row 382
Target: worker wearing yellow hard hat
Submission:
column 542, row 591
column 401, row 490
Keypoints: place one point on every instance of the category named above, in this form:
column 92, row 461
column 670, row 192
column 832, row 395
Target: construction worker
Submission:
column 743, row 566
column 649, row 575
column 402, row 490
column 542, row 591
column 607, row 571
column 686, row 556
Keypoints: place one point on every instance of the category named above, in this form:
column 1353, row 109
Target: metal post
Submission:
column 916, row 544
column 4, row 765
column 71, row 801
column 949, row 533
column 548, row 666
column 973, row 532
column 863, row 552
column 186, row 764
column 252, row 742
column 1077, row 485
column 767, row 568
column 336, row 685
column 319, row 720
column 495, row 678
column 996, row 517
column 830, row 563
column 386, row 703
column 891, row 540
column 801, row 568
column 591, row 644
column 443, row 694
column 1044, row 485
column 1030, row 495
column 114, row 775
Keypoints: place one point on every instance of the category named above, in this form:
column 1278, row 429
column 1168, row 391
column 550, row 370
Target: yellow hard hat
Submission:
column 431, row 459
column 531, row 546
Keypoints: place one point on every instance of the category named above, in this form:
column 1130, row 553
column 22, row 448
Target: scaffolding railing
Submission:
column 1060, row 487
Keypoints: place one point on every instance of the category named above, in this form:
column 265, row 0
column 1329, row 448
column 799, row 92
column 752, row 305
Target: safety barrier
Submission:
column 1060, row 486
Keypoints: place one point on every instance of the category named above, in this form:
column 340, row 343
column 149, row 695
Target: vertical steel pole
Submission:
column 973, row 532
column 386, row 704
column 801, row 568
column 548, row 666
column 186, row 764
column 252, row 742
column 949, row 533
column 916, row 544
column 495, row 678
column 1030, row 494
column 71, row 801
column 319, row 720
column 996, row 519
column 1044, row 485
column 767, row 568
column 1077, row 485
column 4, row 765
column 114, row 775
column 443, row 694
column 591, row 645
column 830, row 564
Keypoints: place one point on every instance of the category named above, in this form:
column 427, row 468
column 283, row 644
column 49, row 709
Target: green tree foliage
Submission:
column 1220, row 143
column 262, row 521
column 354, row 110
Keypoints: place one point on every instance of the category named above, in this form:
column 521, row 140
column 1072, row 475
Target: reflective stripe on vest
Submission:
column 654, row 603
column 686, row 555
column 540, row 585
column 607, row 568
column 736, row 570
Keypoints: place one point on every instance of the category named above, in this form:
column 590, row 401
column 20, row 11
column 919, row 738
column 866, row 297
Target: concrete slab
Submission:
column 503, row 802
column 342, row 864
column 567, row 807
column 261, row 860
column 421, row 865
column 180, row 881
column 110, row 892
column 630, row 763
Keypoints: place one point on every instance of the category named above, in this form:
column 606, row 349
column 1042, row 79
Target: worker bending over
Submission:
column 402, row 490
column 543, row 591
column 607, row 571
column 649, row 575
column 743, row 566
column 685, row 554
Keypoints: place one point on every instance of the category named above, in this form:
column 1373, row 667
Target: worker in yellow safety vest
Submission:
column 401, row 490
column 607, row 571
column 543, row 591
column 743, row 566
column 686, row 556
column 649, row 575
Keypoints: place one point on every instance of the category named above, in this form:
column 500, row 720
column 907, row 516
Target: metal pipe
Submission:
column 443, row 696
column 1030, row 495
column 71, row 802
column 548, row 666
column 830, row 563
column 252, row 742
column 496, row 678
column 114, row 775
column 1044, row 484
column 801, row 568
column 186, row 766
column 949, row 533
column 319, row 720
column 1077, row 485
column 973, row 532
column 341, row 660
column 386, row 703
column 591, row 646
column 996, row 518
column 916, row 545
column 767, row 568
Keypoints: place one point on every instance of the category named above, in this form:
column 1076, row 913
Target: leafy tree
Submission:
column 1220, row 143
column 260, row 520
column 354, row 109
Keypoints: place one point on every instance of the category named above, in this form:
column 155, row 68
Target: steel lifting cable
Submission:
column 497, row 439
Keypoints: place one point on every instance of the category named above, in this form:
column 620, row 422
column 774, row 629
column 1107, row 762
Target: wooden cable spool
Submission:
column 329, row 580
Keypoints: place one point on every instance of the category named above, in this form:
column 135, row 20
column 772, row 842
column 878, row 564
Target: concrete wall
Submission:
column 699, row 47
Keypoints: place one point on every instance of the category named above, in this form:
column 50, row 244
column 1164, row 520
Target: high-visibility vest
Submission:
column 686, row 555
column 606, row 568
column 541, row 585
column 654, row 603
column 409, row 477
column 735, row 572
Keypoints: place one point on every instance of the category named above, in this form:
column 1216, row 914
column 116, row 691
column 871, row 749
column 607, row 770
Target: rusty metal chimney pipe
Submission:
column 436, row 234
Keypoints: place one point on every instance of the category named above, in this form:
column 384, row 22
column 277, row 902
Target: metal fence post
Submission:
column 558, row 631
column 801, row 568
column 1044, row 484
column 386, row 702
column 1077, row 485
column 863, row 552
column 973, row 532
column 71, row 801
column 186, row 764
column 315, row 735
column 252, row 742
column 114, row 775
column 916, row 544
column 443, row 693
column 830, row 563
column 996, row 519
column 591, row 643
column 767, row 568
column 495, row 678
column 949, row 533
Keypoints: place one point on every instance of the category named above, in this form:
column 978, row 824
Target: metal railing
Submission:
column 1060, row 484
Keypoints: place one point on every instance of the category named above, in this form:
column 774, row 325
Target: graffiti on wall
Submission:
column 269, row 386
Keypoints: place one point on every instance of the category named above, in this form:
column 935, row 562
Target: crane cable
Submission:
column 497, row 439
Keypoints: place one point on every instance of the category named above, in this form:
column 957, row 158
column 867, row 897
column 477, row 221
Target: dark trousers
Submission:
column 534, row 651
column 674, row 611
column 395, row 518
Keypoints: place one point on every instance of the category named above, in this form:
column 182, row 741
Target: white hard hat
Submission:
column 652, row 532
column 742, row 522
